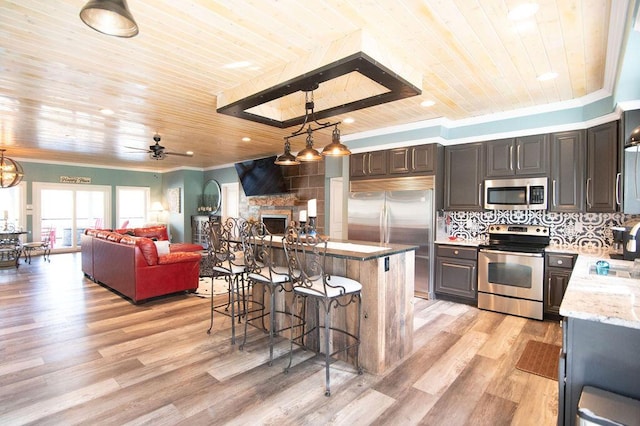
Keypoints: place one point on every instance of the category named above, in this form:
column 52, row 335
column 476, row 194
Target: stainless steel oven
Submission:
column 511, row 270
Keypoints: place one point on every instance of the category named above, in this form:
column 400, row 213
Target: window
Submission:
column 64, row 211
column 12, row 212
column 133, row 206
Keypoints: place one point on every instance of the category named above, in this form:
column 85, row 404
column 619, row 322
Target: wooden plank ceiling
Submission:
column 57, row 74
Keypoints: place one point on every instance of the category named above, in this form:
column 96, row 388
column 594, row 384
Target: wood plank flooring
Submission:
column 73, row 352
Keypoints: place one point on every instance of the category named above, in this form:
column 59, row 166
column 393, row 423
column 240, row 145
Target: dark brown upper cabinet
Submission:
column 368, row 164
column 526, row 156
column 413, row 160
column 463, row 177
column 566, row 186
column 603, row 180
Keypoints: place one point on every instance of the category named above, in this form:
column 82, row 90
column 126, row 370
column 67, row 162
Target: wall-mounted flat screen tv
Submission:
column 261, row 177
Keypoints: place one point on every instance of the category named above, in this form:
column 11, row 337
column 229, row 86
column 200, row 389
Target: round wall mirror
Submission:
column 211, row 197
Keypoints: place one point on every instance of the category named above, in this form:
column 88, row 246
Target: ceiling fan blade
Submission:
column 178, row 153
column 137, row 149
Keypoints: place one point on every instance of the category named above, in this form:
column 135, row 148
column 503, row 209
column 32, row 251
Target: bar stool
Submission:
column 263, row 272
column 226, row 255
column 306, row 258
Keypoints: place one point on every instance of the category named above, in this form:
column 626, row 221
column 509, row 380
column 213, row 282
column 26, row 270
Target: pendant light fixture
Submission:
column 335, row 148
column 287, row 159
column 309, row 153
column 111, row 17
column 11, row 172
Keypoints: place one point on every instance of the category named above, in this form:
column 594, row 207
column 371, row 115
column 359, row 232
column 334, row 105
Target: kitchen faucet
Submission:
column 631, row 243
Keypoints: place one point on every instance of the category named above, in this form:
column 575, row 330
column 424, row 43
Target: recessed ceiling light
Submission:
column 246, row 139
column 547, row 76
column 235, row 65
column 349, row 120
column 189, row 152
column 523, row 11
column 106, row 111
column 427, row 103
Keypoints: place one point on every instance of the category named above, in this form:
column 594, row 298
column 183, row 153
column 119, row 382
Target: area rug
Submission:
column 540, row 358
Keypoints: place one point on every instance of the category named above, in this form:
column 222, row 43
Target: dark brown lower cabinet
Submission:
column 457, row 272
column 558, row 269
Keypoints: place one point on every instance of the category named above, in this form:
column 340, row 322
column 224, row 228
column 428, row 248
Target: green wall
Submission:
column 189, row 182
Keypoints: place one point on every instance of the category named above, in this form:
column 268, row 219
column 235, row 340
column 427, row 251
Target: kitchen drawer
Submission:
column 560, row 260
column 457, row 252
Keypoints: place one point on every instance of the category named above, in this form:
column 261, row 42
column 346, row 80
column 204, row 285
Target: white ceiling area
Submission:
column 73, row 95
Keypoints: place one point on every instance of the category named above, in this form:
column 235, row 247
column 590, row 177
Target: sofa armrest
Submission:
column 179, row 257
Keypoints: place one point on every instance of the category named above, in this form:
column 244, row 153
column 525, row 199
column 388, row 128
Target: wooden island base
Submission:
column 387, row 278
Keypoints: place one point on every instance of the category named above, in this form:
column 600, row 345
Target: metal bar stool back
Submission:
column 264, row 273
column 225, row 254
column 306, row 256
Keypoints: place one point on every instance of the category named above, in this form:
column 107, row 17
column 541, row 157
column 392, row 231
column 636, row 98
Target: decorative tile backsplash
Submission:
column 585, row 230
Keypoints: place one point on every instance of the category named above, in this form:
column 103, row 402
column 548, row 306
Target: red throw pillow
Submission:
column 127, row 239
column 159, row 232
column 114, row 236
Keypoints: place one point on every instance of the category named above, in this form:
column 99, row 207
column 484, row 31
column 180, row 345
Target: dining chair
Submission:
column 225, row 254
column 263, row 273
column 306, row 259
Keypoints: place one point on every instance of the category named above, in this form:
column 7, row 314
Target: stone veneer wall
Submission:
column 585, row 230
column 305, row 182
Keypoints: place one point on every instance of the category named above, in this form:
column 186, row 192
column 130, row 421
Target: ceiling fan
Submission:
column 157, row 152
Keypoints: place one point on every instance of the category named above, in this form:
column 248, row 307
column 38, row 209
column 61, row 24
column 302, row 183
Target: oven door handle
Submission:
column 515, row 253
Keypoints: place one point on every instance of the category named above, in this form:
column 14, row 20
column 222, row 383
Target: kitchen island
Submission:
column 386, row 272
column 601, row 334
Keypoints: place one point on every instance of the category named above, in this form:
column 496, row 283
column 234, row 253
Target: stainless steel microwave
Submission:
column 515, row 194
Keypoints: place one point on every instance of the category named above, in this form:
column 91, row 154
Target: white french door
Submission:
column 64, row 211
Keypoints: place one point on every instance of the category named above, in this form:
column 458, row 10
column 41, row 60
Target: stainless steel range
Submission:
column 511, row 270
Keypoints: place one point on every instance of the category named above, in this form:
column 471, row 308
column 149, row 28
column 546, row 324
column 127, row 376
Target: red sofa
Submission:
column 130, row 264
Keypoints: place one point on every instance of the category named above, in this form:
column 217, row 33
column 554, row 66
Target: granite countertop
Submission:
column 359, row 250
column 459, row 242
column 607, row 299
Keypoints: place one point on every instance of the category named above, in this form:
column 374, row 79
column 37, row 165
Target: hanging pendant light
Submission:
column 309, row 153
column 287, row 159
column 111, row 17
column 11, row 172
column 335, row 148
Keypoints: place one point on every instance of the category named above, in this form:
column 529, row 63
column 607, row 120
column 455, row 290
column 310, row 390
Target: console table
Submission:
column 10, row 248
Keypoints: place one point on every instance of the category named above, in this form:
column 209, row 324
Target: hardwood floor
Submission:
column 73, row 352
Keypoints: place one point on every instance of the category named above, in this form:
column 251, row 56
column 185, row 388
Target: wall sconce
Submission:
column 11, row 172
column 111, row 17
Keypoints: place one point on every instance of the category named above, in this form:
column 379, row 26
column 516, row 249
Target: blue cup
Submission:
column 602, row 267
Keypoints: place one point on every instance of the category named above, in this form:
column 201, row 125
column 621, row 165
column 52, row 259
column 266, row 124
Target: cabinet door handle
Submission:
column 369, row 168
column 480, row 194
column 518, row 157
column 588, row 185
column 618, row 188
column 364, row 165
column 456, row 252
column 511, row 158
column 549, row 292
column 413, row 159
column 553, row 195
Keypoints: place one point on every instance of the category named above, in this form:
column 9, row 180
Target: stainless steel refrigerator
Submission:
column 402, row 217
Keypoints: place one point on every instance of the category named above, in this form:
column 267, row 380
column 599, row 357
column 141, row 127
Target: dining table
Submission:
column 10, row 247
